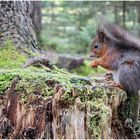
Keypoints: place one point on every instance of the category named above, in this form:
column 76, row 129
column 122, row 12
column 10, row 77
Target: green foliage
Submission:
column 60, row 44
column 66, row 31
column 82, row 38
column 69, row 27
column 69, row 42
column 10, row 57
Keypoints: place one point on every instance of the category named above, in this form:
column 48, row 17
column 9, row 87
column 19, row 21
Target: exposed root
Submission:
column 38, row 60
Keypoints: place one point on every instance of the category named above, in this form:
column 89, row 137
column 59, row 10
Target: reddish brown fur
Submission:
column 105, row 54
column 102, row 51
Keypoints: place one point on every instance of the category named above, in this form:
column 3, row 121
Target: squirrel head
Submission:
column 99, row 45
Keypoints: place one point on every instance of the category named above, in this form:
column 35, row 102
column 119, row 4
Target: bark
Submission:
column 138, row 11
column 124, row 12
column 116, row 9
column 36, row 16
column 16, row 25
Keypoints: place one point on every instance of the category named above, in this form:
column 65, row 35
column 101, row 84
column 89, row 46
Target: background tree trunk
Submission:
column 116, row 18
column 16, row 24
column 124, row 12
column 36, row 16
column 138, row 11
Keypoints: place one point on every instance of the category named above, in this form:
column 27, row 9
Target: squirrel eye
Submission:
column 96, row 46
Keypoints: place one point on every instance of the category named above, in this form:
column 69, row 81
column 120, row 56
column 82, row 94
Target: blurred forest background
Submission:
column 69, row 26
column 40, row 100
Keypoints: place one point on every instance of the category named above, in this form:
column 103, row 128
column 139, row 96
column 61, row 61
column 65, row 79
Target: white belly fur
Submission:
column 116, row 76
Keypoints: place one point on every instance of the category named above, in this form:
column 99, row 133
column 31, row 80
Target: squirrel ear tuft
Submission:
column 102, row 36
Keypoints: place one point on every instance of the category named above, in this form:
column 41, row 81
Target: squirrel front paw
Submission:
column 94, row 64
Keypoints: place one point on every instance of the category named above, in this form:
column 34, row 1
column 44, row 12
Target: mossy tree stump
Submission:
column 36, row 103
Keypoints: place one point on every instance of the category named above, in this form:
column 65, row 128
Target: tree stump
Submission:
column 35, row 103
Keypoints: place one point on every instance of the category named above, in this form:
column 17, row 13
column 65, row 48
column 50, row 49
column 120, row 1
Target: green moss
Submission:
column 99, row 114
column 5, row 81
column 10, row 57
column 35, row 79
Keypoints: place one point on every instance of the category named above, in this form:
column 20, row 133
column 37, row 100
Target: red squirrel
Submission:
column 118, row 51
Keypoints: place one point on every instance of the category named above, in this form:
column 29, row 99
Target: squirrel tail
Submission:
column 118, row 34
